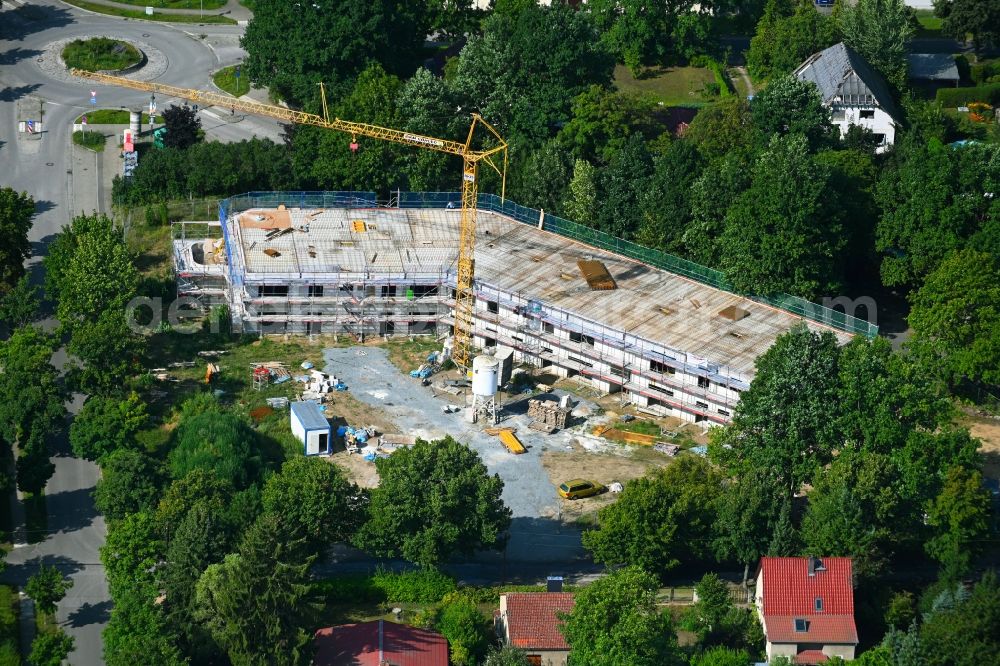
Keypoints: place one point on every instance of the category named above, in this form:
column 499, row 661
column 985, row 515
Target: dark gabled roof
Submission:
column 933, row 67
column 843, row 77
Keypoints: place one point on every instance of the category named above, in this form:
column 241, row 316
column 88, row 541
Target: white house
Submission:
column 854, row 92
column 311, row 428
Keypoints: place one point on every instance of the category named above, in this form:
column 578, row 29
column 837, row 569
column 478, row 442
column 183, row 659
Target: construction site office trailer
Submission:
column 310, row 427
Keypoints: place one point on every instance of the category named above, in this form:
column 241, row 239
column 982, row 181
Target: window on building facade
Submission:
column 581, row 338
column 699, row 403
column 867, row 114
column 662, row 368
column 315, row 290
column 703, row 382
column 492, row 307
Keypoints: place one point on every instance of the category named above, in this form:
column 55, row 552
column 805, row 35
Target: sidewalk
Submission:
column 233, row 9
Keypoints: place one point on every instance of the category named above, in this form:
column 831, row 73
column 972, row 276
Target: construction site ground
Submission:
column 988, row 431
column 545, row 527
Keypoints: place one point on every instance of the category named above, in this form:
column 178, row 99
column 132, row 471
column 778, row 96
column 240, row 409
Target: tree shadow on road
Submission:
column 16, row 93
column 18, row 574
column 19, row 22
column 15, row 55
column 89, row 613
column 70, row 510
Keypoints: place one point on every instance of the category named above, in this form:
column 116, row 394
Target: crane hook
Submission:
column 354, row 143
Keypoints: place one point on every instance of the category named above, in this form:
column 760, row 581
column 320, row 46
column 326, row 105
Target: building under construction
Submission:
column 625, row 318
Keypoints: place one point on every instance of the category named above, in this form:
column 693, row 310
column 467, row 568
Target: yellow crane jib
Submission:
column 471, row 157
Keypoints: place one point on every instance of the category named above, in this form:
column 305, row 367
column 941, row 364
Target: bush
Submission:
column 100, row 53
column 156, row 215
column 981, row 73
column 954, row 97
column 90, row 140
column 9, row 654
column 424, row 586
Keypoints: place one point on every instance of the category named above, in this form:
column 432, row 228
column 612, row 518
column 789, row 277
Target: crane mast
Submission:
column 465, row 269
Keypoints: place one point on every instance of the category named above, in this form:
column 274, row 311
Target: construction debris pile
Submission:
column 548, row 415
column 319, row 384
column 271, row 372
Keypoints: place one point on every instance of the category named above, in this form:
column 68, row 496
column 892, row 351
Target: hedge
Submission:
column 406, row 587
column 953, row 97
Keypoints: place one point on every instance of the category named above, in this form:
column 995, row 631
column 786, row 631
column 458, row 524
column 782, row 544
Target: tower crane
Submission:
column 471, row 157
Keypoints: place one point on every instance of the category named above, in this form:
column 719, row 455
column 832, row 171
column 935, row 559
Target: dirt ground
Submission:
column 348, row 410
column 358, row 470
column 988, row 431
column 605, row 468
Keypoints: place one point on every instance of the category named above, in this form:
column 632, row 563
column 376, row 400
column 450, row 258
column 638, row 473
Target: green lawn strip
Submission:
column 9, row 634
column 109, row 117
column 930, row 25
column 157, row 16
column 639, row 426
column 100, row 53
column 176, row 4
column 226, row 79
column 90, row 140
column 673, row 86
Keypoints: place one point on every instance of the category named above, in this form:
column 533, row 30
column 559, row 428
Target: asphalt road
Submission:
column 42, row 167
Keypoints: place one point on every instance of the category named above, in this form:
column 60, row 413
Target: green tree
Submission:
column 711, row 613
column 615, row 622
column 47, row 587
column 291, row 48
column 581, row 202
column 427, row 106
column 545, row 176
column 137, row 632
column 260, row 598
column 789, row 32
column 856, row 509
column 16, row 211
column 661, row 520
column 636, row 33
column 201, row 539
column 712, row 194
column 105, row 425
column 724, row 128
column 932, row 201
column 960, row 517
column 464, row 627
column 782, row 428
column 604, row 119
column 791, row 106
column 34, row 466
column 902, row 611
column 880, row 31
column 198, row 485
column 666, row 204
column 507, row 655
column 325, row 157
column 315, row 500
column 979, row 18
column 131, row 553
column 781, row 234
column 30, row 395
column 433, row 500
column 130, row 482
column 621, row 185
column 528, row 66
column 955, row 318
column 20, row 305
column 967, row 634
column 183, row 127
column 50, row 648
column 747, row 514
column 222, row 444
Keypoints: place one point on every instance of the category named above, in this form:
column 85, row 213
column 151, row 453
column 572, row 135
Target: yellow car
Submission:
column 578, row 488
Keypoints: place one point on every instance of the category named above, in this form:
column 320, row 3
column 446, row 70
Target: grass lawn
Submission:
column 226, row 79
column 9, row 652
column 674, row 86
column 157, row 16
column 90, row 140
column 641, row 427
column 110, row 117
column 176, row 4
column 930, row 25
column 409, row 354
column 100, row 53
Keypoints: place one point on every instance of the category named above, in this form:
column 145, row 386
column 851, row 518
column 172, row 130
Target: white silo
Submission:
column 485, row 377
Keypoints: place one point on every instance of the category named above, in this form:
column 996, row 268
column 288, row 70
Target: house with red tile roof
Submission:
column 379, row 643
column 530, row 621
column 806, row 606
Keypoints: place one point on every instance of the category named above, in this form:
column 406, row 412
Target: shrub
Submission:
column 90, row 140
column 100, row 53
column 954, row 97
column 423, row 586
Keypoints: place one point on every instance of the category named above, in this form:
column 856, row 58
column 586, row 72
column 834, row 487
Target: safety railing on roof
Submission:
column 557, row 225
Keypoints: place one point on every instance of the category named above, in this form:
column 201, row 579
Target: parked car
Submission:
column 578, row 488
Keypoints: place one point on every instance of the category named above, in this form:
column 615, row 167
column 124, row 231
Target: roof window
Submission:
column 801, row 625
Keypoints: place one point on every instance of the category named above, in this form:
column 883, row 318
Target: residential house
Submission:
column 854, row 92
column 806, row 606
column 379, row 643
column 930, row 71
column 530, row 621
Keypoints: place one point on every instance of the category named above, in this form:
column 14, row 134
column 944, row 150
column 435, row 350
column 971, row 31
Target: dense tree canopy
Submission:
column 789, row 32
column 979, row 18
column 659, row 521
column 222, row 444
column 107, row 424
column 434, row 500
column 130, row 482
column 16, row 212
column 615, row 622
column 183, row 127
column 879, row 30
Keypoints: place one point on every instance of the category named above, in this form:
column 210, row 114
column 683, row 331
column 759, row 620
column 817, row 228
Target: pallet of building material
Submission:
column 670, row 450
column 542, row 426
